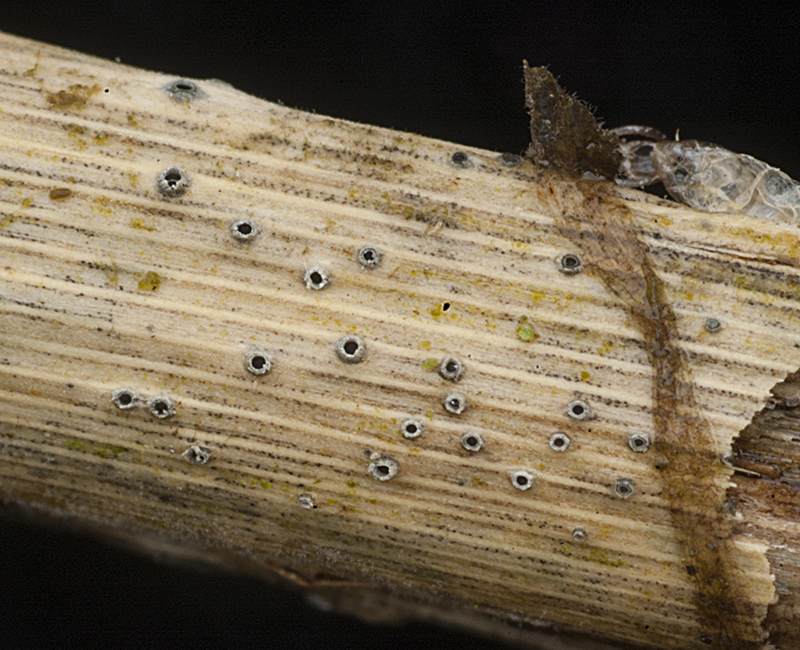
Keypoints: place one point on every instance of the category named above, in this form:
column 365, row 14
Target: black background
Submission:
column 450, row 70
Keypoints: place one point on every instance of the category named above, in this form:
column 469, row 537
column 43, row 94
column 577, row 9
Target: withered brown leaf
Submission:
column 565, row 136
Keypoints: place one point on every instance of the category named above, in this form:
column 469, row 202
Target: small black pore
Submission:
column 451, row 369
column 460, row 159
column 351, row 349
column 411, row 429
column 316, row 278
column 183, row 90
column 124, row 398
column 570, row 264
column 162, row 407
column 511, row 159
column 172, row 182
column 454, row 403
column 369, row 257
column 472, row 441
column 578, row 410
column 244, row 229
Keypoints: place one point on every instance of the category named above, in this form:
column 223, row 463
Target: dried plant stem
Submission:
column 242, row 393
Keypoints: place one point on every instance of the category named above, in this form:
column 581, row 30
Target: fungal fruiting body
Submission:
column 383, row 468
column 451, row 369
column 370, row 257
column 351, row 349
column 125, row 398
column 173, row 182
column 472, row 441
column 258, row 362
column 412, row 428
column 244, row 230
column 522, row 479
column 197, row 455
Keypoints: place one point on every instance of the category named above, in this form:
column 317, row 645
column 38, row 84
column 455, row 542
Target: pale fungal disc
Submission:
column 162, row 407
column 460, row 159
column 559, row 442
column 258, row 363
column 125, row 398
column 570, row 264
column 522, row 479
column 197, row 455
column 639, row 441
column 172, row 182
column 306, row 501
column 511, row 159
column 454, row 403
column 384, row 468
column 351, row 349
column 244, row 230
column 579, row 410
column 624, row 487
column 183, row 90
column 316, row 278
column 451, row 369
column 411, row 428
column 472, row 441
column 369, row 257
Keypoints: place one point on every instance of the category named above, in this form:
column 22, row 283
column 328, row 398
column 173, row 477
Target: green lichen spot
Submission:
column 525, row 331
column 150, row 282
column 109, row 450
column 76, row 444
column 141, row 224
column 373, row 501
column 585, row 376
column 424, row 345
column 435, row 311
column 608, row 345
column 266, row 484
column 429, row 364
column 75, row 96
column 351, row 483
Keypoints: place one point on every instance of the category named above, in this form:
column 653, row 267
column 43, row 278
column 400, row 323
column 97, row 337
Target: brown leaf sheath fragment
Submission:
column 693, row 481
column 568, row 142
column 565, row 137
